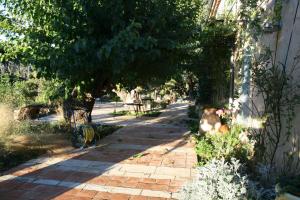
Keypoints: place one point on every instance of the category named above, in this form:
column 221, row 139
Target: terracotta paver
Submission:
column 146, row 160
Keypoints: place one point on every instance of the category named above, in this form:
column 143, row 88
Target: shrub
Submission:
column 51, row 91
column 193, row 125
column 105, row 130
column 8, row 93
column 192, row 112
column 228, row 145
column 121, row 113
column 218, row 180
column 27, row 90
column 20, row 92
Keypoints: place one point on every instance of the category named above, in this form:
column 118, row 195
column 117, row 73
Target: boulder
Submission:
column 29, row 112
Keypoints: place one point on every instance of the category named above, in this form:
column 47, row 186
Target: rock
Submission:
column 29, row 112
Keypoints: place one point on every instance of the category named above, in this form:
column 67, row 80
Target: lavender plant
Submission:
column 217, row 180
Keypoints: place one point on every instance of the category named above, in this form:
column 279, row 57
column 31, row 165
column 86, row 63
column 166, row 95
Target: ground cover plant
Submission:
column 151, row 113
column 218, row 180
column 226, row 146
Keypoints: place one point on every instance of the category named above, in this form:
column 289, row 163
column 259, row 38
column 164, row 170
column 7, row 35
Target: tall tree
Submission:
column 97, row 43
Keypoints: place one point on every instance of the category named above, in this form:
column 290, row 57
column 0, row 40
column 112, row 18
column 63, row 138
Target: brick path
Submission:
column 139, row 162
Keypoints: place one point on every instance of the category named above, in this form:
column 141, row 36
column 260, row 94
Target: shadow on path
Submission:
column 149, row 159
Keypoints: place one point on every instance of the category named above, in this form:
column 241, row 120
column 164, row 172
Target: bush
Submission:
column 218, row 180
column 20, row 92
column 8, row 93
column 105, row 130
column 121, row 113
column 51, row 91
column 228, row 145
column 193, row 125
column 27, row 90
column 192, row 112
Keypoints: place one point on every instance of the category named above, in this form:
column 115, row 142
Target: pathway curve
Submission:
column 143, row 161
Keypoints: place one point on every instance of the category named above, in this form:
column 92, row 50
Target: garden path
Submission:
column 147, row 160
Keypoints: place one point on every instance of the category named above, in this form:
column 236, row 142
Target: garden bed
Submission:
column 27, row 140
column 153, row 113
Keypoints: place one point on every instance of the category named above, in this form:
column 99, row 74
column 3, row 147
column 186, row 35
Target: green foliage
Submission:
column 138, row 155
column 121, row 113
column 218, row 180
column 96, row 44
column 51, row 91
column 193, row 125
column 182, row 84
column 279, row 110
column 6, row 90
column 38, row 128
column 223, row 146
column 192, row 112
column 17, row 93
column 105, row 130
column 24, row 92
column 212, row 62
column 153, row 113
column 27, row 90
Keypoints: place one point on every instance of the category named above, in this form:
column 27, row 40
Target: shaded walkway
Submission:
column 148, row 159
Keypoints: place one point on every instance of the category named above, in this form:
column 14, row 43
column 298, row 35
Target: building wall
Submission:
column 285, row 46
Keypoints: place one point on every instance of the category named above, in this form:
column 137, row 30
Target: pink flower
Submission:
column 220, row 112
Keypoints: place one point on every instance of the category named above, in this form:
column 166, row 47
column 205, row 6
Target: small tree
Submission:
column 95, row 44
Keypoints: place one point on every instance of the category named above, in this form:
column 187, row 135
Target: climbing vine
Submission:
column 273, row 86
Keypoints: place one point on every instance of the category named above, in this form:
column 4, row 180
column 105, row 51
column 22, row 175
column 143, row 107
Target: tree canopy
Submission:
column 98, row 43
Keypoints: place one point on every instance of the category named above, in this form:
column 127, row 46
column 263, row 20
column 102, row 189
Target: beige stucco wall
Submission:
column 285, row 44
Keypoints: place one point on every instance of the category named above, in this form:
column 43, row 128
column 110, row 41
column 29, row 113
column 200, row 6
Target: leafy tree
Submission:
column 211, row 63
column 96, row 44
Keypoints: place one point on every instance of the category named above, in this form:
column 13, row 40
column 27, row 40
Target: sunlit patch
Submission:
column 250, row 122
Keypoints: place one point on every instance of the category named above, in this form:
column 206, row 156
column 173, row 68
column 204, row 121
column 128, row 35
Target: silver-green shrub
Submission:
column 217, row 180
